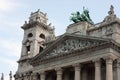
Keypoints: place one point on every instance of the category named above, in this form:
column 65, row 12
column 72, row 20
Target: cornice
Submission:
column 34, row 24
column 23, row 59
column 104, row 24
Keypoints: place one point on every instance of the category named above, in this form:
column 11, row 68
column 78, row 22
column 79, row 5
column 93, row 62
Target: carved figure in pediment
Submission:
column 109, row 31
column 71, row 44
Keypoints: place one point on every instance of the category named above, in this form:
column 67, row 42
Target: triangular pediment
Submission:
column 69, row 43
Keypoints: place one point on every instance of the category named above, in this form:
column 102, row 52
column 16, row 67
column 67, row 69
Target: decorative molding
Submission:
column 109, row 31
column 97, row 62
column 109, row 59
column 77, row 66
column 59, row 70
column 42, row 72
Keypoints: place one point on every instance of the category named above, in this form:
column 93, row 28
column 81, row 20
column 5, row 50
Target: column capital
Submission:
column 118, row 60
column 118, row 63
column 42, row 72
column 59, row 70
column 109, row 59
column 97, row 62
column 77, row 66
column 34, row 75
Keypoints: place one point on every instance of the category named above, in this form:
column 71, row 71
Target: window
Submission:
column 28, row 49
column 30, row 35
column 42, row 36
column 40, row 49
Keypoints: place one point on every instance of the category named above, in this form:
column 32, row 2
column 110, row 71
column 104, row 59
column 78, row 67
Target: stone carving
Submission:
column 111, row 16
column 111, row 12
column 70, row 45
column 109, row 31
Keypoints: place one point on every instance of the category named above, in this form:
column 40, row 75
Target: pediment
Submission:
column 67, row 43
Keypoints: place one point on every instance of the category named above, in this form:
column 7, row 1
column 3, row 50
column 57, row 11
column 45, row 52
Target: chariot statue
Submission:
column 77, row 17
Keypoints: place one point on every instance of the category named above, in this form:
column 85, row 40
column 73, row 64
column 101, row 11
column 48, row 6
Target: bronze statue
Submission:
column 77, row 17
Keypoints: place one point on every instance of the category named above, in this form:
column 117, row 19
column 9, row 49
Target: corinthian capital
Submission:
column 58, row 70
column 109, row 59
column 97, row 62
column 77, row 66
column 118, row 63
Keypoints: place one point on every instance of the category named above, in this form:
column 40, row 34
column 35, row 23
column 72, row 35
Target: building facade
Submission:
column 83, row 52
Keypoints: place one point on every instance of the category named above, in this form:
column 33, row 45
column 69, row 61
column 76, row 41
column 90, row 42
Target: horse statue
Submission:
column 77, row 17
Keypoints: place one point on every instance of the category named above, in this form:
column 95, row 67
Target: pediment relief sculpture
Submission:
column 70, row 45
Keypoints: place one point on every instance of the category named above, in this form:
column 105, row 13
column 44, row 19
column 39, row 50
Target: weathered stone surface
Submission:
column 96, row 48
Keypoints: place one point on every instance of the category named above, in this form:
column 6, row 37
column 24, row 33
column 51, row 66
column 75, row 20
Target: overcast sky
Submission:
column 13, row 13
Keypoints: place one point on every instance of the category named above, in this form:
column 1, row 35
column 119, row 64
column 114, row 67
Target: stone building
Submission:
column 83, row 52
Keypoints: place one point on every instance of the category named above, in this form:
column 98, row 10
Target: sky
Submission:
column 13, row 13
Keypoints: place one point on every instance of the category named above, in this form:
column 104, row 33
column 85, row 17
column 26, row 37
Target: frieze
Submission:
column 71, row 45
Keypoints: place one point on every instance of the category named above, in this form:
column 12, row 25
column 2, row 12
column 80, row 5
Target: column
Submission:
column 42, row 75
column 77, row 68
column 97, row 69
column 34, row 76
column 118, row 69
column 59, row 73
column 109, row 68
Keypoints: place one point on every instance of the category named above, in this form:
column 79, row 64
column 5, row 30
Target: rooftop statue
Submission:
column 77, row 17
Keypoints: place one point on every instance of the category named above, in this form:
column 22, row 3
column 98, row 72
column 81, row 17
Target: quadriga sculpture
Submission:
column 77, row 17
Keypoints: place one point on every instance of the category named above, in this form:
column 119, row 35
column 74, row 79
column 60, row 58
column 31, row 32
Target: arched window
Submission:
column 42, row 36
column 40, row 49
column 30, row 35
column 28, row 49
